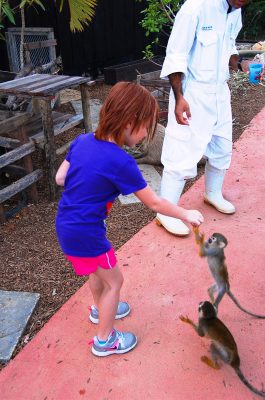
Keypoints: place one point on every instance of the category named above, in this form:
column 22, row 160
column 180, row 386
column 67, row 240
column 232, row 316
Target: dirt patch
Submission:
column 31, row 258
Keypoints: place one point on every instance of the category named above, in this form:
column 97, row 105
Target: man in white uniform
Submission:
column 200, row 49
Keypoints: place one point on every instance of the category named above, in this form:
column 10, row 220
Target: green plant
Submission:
column 5, row 11
column 158, row 20
column 239, row 82
column 81, row 13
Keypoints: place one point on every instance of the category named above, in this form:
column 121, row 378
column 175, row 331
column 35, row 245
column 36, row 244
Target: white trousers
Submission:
column 209, row 132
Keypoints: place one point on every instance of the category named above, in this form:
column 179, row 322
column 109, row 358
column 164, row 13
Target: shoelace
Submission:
column 93, row 308
column 115, row 345
column 121, row 338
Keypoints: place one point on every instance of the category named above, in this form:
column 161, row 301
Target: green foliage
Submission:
column 25, row 3
column 254, row 21
column 5, row 12
column 239, row 82
column 158, row 19
column 81, row 13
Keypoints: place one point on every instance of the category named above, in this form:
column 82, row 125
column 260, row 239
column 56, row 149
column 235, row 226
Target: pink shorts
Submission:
column 88, row 265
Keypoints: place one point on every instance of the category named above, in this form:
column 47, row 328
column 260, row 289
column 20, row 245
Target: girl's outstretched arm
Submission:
column 163, row 206
column 61, row 173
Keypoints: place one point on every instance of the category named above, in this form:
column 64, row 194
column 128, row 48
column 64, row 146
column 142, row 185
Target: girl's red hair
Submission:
column 127, row 102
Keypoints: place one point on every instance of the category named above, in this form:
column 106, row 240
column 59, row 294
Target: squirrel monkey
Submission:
column 213, row 249
column 223, row 345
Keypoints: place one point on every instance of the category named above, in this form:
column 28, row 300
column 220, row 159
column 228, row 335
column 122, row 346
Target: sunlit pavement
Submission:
column 164, row 277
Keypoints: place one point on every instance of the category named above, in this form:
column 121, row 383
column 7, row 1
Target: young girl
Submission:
column 95, row 172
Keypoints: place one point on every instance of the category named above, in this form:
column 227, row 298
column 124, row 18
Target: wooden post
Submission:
column 49, row 145
column 86, row 107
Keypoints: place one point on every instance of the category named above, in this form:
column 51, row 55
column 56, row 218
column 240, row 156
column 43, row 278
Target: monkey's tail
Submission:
column 232, row 297
column 252, row 388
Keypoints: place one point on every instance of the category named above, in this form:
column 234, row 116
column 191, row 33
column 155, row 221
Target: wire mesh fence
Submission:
column 38, row 56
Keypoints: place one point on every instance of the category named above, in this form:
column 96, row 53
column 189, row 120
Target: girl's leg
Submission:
column 112, row 280
column 96, row 286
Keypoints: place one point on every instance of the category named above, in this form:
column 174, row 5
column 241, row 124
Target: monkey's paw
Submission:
column 199, row 237
column 196, row 230
column 185, row 319
column 206, row 360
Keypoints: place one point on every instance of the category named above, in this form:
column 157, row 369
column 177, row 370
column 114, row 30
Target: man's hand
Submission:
column 182, row 111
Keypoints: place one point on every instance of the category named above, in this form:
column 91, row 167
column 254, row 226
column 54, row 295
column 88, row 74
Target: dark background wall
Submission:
column 114, row 36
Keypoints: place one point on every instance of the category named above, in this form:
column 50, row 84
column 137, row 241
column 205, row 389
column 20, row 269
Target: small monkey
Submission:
column 213, row 249
column 223, row 345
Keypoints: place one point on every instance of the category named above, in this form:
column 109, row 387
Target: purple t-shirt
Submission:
column 99, row 172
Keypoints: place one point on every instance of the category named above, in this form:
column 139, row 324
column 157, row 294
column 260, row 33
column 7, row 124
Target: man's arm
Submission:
column 234, row 63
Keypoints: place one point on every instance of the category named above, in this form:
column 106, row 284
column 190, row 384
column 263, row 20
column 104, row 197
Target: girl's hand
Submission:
column 194, row 217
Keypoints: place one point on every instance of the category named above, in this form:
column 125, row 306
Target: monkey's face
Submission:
column 206, row 310
column 217, row 240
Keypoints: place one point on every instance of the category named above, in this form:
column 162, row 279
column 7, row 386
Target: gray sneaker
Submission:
column 118, row 343
column 122, row 311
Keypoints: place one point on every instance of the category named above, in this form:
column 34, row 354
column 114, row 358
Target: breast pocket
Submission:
column 207, row 41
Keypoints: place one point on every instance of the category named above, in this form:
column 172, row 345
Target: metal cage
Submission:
column 37, row 56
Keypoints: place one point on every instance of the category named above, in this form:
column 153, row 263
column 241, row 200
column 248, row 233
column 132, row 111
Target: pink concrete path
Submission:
column 164, row 277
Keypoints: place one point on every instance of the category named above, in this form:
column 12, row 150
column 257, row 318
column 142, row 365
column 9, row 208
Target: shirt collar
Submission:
column 225, row 6
column 230, row 8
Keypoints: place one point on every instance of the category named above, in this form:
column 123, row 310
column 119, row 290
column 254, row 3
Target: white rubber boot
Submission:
column 171, row 190
column 214, row 179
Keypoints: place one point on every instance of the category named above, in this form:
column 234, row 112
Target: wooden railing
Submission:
column 18, row 149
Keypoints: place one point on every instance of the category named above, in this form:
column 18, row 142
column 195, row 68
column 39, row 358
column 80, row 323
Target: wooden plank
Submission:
column 86, row 108
column 51, row 79
column 155, row 82
column 11, row 124
column 30, row 30
column 34, row 121
column 14, row 170
column 16, row 83
column 16, row 154
column 58, row 118
column 6, row 76
column 5, row 114
column 51, row 89
column 40, row 44
column 58, row 128
column 9, row 143
column 149, row 75
column 20, row 185
column 63, row 149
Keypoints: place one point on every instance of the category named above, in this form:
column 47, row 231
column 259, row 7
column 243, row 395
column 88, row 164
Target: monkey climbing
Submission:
column 213, row 249
column 223, row 345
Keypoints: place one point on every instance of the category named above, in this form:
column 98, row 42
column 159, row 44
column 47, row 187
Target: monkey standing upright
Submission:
column 213, row 249
column 223, row 345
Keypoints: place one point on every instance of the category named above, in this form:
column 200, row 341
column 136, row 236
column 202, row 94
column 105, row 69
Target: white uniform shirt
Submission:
column 202, row 41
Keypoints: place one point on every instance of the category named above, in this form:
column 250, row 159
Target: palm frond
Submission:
column 81, row 13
